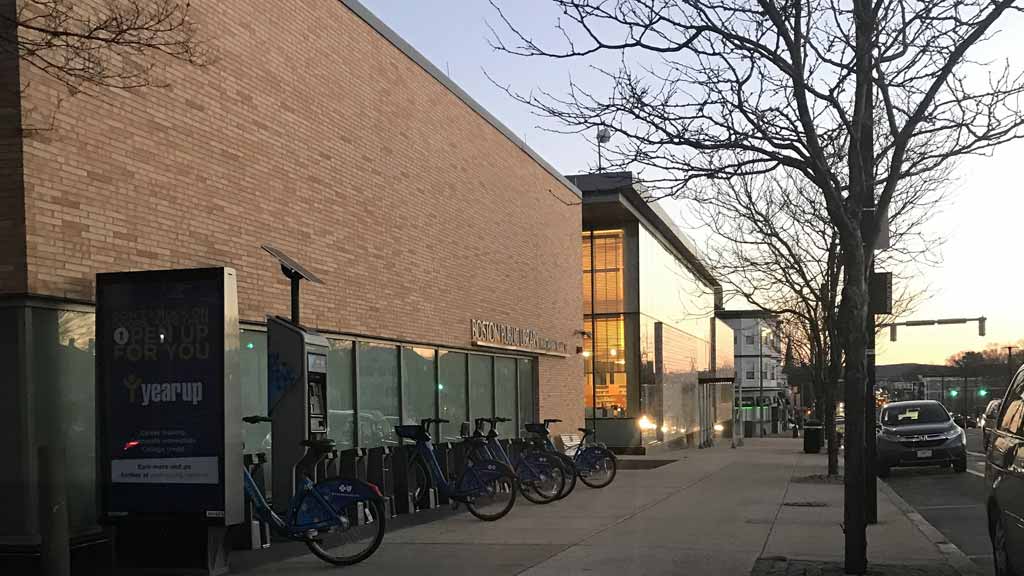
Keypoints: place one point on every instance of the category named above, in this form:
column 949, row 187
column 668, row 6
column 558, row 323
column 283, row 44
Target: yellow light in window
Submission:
column 586, row 353
column 719, row 427
column 645, row 423
column 613, row 352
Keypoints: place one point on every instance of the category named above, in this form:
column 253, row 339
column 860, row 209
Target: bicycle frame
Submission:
column 290, row 526
column 425, row 450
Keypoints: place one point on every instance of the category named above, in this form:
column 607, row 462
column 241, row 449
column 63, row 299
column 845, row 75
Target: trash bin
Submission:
column 813, row 432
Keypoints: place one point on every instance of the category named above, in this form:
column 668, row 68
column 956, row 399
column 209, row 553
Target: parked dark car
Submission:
column 1004, row 475
column 971, row 422
column 990, row 417
column 919, row 433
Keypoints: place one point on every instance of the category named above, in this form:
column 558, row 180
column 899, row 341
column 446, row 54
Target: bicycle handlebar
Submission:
column 255, row 419
column 428, row 421
column 550, row 421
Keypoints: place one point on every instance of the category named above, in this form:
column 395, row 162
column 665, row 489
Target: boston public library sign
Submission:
column 508, row 337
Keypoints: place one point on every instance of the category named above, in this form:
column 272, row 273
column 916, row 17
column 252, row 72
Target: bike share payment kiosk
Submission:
column 296, row 402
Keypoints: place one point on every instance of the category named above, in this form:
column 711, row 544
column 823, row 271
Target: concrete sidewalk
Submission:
column 712, row 511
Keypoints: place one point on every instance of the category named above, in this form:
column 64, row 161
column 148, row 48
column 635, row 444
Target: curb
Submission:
column 954, row 556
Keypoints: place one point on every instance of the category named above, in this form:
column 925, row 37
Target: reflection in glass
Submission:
column 602, row 257
column 505, row 394
column 378, row 394
column 481, row 386
column 527, row 392
column 670, row 292
column 452, row 393
column 340, row 394
column 419, row 390
column 252, row 364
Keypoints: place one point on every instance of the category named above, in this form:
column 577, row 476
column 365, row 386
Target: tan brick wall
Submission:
column 12, row 205
column 312, row 132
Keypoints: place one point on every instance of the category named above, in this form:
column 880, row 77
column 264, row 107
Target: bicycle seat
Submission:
column 412, row 432
column 586, row 431
column 535, row 428
column 319, row 444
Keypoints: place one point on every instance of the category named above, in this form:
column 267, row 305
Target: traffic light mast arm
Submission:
column 941, row 321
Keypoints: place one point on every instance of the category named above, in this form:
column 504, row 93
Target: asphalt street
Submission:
column 953, row 503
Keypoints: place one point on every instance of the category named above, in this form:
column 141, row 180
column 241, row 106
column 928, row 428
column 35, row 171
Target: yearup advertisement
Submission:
column 168, row 395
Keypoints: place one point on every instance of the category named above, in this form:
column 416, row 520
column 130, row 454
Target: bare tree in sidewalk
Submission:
column 853, row 97
column 772, row 244
column 100, row 43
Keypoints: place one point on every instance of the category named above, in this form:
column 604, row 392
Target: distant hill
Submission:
column 894, row 371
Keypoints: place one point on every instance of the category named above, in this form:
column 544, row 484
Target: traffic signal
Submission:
column 954, row 392
column 982, row 392
column 981, row 326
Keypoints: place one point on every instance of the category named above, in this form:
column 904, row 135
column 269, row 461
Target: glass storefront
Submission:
column 393, row 381
column 650, row 318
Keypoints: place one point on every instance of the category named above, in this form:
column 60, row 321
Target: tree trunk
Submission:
column 830, row 431
column 853, row 327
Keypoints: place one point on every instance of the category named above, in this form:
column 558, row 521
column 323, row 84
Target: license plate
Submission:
column 924, row 453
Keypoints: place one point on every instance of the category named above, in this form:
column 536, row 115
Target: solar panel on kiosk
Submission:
column 290, row 265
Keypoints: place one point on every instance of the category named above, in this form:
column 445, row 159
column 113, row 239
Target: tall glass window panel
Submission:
column 527, row 393
column 64, row 355
column 481, row 386
column 252, row 363
column 505, row 394
column 451, row 390
column 606, row 268
column 587, row 260
column 609, row 368
column 340, row 394
column 378, row 394
column 670, row 292
column 419, row 389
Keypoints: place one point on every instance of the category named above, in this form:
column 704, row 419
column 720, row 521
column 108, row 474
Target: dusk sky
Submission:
column 978, row 272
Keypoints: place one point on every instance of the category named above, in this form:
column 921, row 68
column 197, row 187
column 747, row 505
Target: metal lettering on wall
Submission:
column 508, row 337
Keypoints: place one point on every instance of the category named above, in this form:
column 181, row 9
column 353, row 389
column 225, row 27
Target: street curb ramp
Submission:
column 954, row 556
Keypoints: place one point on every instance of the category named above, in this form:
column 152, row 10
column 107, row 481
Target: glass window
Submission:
column 749, row 339
column 608, row 366
column 340, row 395
column 252, row 363
column 603, row 271
column 1013, row 409
column 63, row 364
column 419, row 390
column 527, row 393
column 378, row 394
column 481, row 386
column 452, row 392
column 750, row 374
column 670, row 292
column 505, row 394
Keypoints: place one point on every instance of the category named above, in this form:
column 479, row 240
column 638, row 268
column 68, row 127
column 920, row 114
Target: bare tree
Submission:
column 855, row 97
column 772, row 244
column 101, row 42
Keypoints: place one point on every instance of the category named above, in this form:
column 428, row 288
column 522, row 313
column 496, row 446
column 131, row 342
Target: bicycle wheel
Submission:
column 489, row 489
column 596, row 466
column 358, row 542
column 419, row 476
column 541, row 477
column 570, row 475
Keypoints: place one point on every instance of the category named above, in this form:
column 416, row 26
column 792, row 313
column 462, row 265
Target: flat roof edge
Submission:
column 413, row 54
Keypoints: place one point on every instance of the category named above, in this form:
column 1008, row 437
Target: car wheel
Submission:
column 960, row 465
column 1000, row 552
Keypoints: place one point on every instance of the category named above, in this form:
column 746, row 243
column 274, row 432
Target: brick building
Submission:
column 346, row 149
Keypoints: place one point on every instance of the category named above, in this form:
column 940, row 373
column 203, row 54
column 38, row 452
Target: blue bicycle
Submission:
column 541, row 475
column 595, row 464
column 487, row 487
column 349, row 511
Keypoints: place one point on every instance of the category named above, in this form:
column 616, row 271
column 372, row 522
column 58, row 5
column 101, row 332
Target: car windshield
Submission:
column 914, row 414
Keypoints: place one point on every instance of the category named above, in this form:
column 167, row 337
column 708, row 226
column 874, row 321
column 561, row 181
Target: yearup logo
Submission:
column 163, row 392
